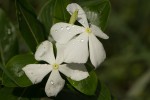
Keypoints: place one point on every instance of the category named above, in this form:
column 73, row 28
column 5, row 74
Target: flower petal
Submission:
column 63, row 32
column 54, row 84
column 36, row 72
column 71, row 8
column 74, row 71
column 98, row 32
column 97, row 52
column 60, row 53
column 77, row 50
column 45, row 52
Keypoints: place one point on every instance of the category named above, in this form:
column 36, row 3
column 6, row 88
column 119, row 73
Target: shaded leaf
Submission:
column 73, row 95
column 87, row 86
column 14, row 68
column 19, row 94
column 8, row 41
column 31, row 29
column 29, row 93
column 52, row 12
column 104, row 93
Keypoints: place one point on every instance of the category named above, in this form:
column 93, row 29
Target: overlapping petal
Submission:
column 45, row 52
column 60, row 53
column 77, row 50
column 97, row 52
column 98, row 32
column 63, row 32
column 36, row 72
column 54, row 84
column 74, row 71
column 71, row 8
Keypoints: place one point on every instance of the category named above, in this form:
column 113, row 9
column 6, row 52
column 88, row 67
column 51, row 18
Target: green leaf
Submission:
column 54, row 11
column 97, row 11
column 104, row 93
column 31, row 29
column 87, row 86
column 14, row 68
column 8, row 41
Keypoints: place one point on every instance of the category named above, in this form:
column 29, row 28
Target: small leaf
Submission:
column 31, row 29
column 14, row 68
column 87, row 86
column 104, row 93
column 97, row 11
column 52, row 12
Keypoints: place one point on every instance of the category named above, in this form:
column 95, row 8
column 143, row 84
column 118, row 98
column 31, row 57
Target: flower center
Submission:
column 55, row 66
column 88, row 30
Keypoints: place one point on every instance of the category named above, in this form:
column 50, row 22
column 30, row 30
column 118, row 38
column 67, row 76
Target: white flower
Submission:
column 36, row 72
column 79, row 38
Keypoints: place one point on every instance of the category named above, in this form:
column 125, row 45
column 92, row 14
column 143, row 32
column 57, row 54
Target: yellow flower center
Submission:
column 55, row 66
column 88, row 30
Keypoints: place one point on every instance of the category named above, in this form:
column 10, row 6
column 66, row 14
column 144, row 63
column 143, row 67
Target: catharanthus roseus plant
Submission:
column 54, row 67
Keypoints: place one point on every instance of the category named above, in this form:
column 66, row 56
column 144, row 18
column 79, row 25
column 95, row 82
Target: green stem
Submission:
column 74, row 17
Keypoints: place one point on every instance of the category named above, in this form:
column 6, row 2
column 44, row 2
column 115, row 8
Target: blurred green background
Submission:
column 126, row 69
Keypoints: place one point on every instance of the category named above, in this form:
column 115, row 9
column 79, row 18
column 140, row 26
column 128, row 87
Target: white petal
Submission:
column 54, row 84
column 45, row 52
column 74, row 71
column 77, row 50
column 60, row 53
column 98, row 32
column 97, row 52
column 71, row 8
column 63, row 32
column 36, row 72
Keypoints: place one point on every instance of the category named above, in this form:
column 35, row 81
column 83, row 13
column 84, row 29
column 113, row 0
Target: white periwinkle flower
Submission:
column 36, row 72
column 79, row 37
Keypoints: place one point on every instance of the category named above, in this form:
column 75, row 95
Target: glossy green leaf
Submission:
column 87, row 86
column 54, row 11
column 31, row 29
column 104, row 93
column 97, row 11
column 14, row 68
column 8, row 41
